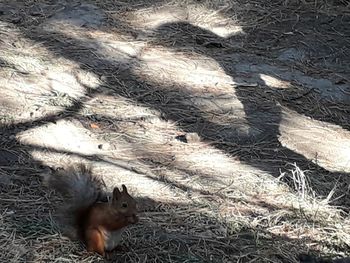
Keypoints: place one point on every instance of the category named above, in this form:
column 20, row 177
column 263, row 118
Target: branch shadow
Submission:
column 262, row 113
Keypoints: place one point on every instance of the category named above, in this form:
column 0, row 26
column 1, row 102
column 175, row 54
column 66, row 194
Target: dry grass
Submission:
column 124, row 84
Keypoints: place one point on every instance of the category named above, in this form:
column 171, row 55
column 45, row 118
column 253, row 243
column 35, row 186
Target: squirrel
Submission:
column 87, row 210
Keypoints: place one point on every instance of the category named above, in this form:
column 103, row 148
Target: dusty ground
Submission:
column 229, row 120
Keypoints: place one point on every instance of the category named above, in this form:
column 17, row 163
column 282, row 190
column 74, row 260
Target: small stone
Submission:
column 192, row 137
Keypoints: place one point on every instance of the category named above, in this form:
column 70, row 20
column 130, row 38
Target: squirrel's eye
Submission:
column 124, row 205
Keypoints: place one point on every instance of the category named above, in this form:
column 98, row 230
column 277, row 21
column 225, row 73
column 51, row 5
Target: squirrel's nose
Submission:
column 133, row 219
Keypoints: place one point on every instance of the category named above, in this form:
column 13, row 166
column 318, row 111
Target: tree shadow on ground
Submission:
column 270, row 155
column 263, row 112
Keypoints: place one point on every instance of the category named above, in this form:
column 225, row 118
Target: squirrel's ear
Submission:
column 124, row 189
column 116, row 193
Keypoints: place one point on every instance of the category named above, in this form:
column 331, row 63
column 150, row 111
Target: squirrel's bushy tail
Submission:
column 79, row 189
column 77, row 185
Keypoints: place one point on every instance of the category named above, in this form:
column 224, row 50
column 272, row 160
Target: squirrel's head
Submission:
column 125, row 204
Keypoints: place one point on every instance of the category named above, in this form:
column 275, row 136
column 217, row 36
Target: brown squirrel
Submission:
column 97, row 221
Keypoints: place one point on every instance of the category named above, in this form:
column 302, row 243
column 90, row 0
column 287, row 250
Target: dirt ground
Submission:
column 228, row 120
